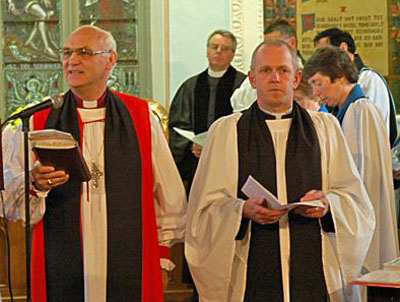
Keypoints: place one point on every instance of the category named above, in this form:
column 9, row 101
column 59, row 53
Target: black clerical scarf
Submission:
column 123, row 180
column 202, row 98
column 303, row 173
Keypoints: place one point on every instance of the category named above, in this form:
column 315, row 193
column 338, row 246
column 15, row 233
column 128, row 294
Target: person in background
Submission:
column 202, row 99
column 304, row 96
column 371, row 81
column 333, row 77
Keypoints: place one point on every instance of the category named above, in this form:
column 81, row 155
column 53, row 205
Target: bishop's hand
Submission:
column 46, row 177
column 256, row 209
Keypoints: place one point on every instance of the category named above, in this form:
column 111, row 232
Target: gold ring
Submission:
column 49, row 182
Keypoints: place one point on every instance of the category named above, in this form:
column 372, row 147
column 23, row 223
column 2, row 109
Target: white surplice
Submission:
column 169, row 195
column 366, row 137
column 376, row 91
column 243, row 97
column 218, row 262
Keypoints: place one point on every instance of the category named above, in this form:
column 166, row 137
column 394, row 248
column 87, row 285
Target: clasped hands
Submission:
column 46, row 177
column 257, row 210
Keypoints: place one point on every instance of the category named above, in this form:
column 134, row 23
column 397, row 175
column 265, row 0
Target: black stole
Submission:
column 202, row 98
column 303, row 173
column 123, row 180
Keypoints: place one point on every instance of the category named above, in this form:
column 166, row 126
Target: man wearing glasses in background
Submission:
column 202, row 99
column 109, row 239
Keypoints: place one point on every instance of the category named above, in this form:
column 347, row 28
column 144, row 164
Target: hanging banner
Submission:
column 366, row 21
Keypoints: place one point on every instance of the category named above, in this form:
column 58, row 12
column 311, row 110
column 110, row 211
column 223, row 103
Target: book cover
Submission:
column 60, row 150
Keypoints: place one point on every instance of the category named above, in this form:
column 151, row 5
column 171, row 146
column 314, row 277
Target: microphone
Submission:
column 54, row 101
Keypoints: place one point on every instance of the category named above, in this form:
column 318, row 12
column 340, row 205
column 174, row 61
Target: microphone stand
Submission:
column 25, row 129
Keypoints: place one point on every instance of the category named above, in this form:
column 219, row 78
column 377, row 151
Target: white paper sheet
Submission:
column 198, row 139
column 253, row 189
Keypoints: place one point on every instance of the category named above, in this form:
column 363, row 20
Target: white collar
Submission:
column 278, row 115
column 89, row 104
column 216, row 74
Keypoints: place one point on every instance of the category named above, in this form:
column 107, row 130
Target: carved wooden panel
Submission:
column 177, row 290
column 18, row 264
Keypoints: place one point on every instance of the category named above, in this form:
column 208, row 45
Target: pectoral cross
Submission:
column 96, row 175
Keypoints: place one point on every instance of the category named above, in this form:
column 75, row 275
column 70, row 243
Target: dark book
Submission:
column 60, row 150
